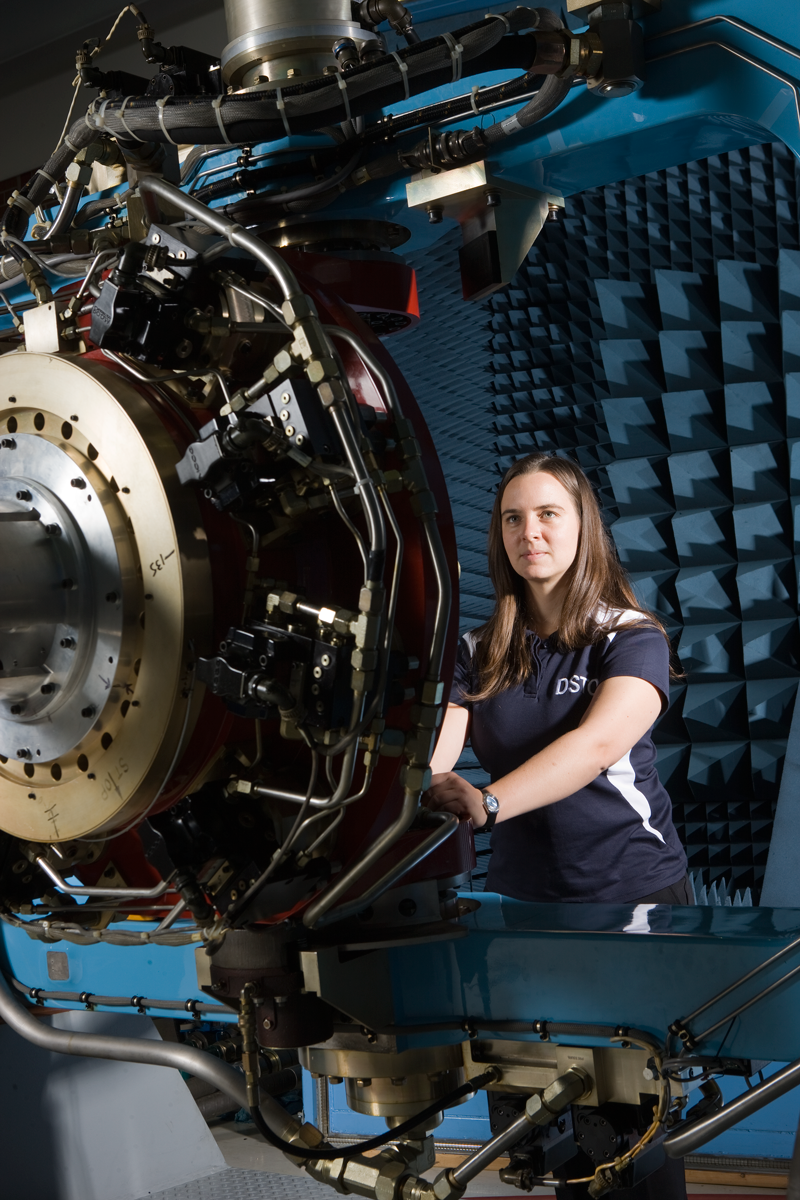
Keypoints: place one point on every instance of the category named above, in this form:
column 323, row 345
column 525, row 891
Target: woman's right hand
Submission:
column 450, row 793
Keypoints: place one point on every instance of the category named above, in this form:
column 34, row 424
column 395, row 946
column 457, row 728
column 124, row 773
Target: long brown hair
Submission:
column 598, row 588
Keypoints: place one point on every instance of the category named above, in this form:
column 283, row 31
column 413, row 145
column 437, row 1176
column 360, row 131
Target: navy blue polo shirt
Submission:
column 612, row 841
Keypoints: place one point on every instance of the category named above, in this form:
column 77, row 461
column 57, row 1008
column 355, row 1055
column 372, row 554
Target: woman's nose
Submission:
column 532, row 530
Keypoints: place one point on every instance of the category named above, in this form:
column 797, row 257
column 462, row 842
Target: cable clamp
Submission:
column 49, row 178
column 343, row 89
column 161, row 105
column 73, row 148
column 498, row 17
column 125, row 124
column 476, row 91
column 282, row 110
column 191, row 1006
column 456, row 52
column 216, row 104
column 403, row 66
column 100, row 117
column 20, row 201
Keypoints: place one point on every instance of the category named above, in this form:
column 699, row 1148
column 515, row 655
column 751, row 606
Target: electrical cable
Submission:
column 391, row 1135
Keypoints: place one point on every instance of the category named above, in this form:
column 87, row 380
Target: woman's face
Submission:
column 541, row 528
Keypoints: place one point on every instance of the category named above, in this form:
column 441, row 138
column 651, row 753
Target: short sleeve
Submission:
column 643, row 653
column 464, row 675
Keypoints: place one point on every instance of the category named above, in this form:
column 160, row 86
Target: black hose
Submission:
column 266, row 116
column 391, row 1135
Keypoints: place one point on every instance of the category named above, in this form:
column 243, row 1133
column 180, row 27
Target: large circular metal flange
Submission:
column 61, row 587
column 106, row 596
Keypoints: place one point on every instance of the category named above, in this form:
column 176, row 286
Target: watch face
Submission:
column 490, row 802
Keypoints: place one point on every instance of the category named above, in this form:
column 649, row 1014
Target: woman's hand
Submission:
column 450, row 793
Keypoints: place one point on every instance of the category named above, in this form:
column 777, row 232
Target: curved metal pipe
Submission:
column 236, row 235
column 119, row 893
column 345, row 881
column 69, row 206
column 135, row 1050
column 447, row 822
column 684, row 1140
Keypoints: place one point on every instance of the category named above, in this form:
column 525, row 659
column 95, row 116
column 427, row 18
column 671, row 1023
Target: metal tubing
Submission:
column 345, row 881
column 444, row 598
column 135, row 1050
column 701, row 1037
column 69, row 206
column 236, row 235
column 118, row 893
column 447, row 822
column 684, row 1140
column 740, row 982
column 376, row 530
column 472, row 1166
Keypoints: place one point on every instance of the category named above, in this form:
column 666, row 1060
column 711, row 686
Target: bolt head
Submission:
column 24, row 753
column 78, row 483
column 52, row 530
column 16, row 709
column 24, row 494
column 89, row 711
column 47, row 689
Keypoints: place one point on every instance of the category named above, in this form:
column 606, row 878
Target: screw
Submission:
column 267, row 1023
column 24, row 495
column 493, row 199
column 435, row 214
column 320, row 707
column 89, row 711
column 8, row 444
column 183, row 348
column 47, row 689
column 285, row 414
column 286, row 397
column 24, row 754
column 325, row 660
column 68, row 643
column 290, row 430
column 318, row 672
column 156, row 238
column 78, row 483
column 53, row 530
column 16, row 709
column 299, row 439
column 315, row 689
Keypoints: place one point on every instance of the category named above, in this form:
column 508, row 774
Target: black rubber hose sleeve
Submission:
column 391, row 1135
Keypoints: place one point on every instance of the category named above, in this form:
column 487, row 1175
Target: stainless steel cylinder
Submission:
column 285, row 40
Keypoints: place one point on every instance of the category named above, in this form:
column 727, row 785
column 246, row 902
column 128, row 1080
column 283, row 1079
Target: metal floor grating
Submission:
column 235, row 1184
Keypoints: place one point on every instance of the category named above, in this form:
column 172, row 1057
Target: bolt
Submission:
column 68, row 643
column 24, row 754
column 284, row 414
column 53, row 530
column 290, row 430
column 299, row 439
column 363, row 1083
column 320, row 707
column 8, row 444
column 89, row 711
column 286, row 397
column 47, row 689
column 493, row 199
column 183, row 348
column 317, row 672
column 267, row 1023
column 156, row 238
column 325, row 660
column 78, row 483
column 24, row 495
column 16, row 709
column 315, row 689
column 407, row 907
column 435, row 214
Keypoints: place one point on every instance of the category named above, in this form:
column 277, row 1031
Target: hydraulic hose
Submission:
column 69, row 206
column 301, row 108
column 391, row 1135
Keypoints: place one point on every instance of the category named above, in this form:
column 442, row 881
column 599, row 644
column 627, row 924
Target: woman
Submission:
column 558, row 692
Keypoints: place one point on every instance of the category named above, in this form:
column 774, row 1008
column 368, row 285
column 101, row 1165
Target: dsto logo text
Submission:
column 577, row 683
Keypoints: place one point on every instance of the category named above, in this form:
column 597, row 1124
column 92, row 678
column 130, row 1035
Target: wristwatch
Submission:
column 491, row 806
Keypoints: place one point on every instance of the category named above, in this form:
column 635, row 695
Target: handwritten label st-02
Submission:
column 160, row 563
